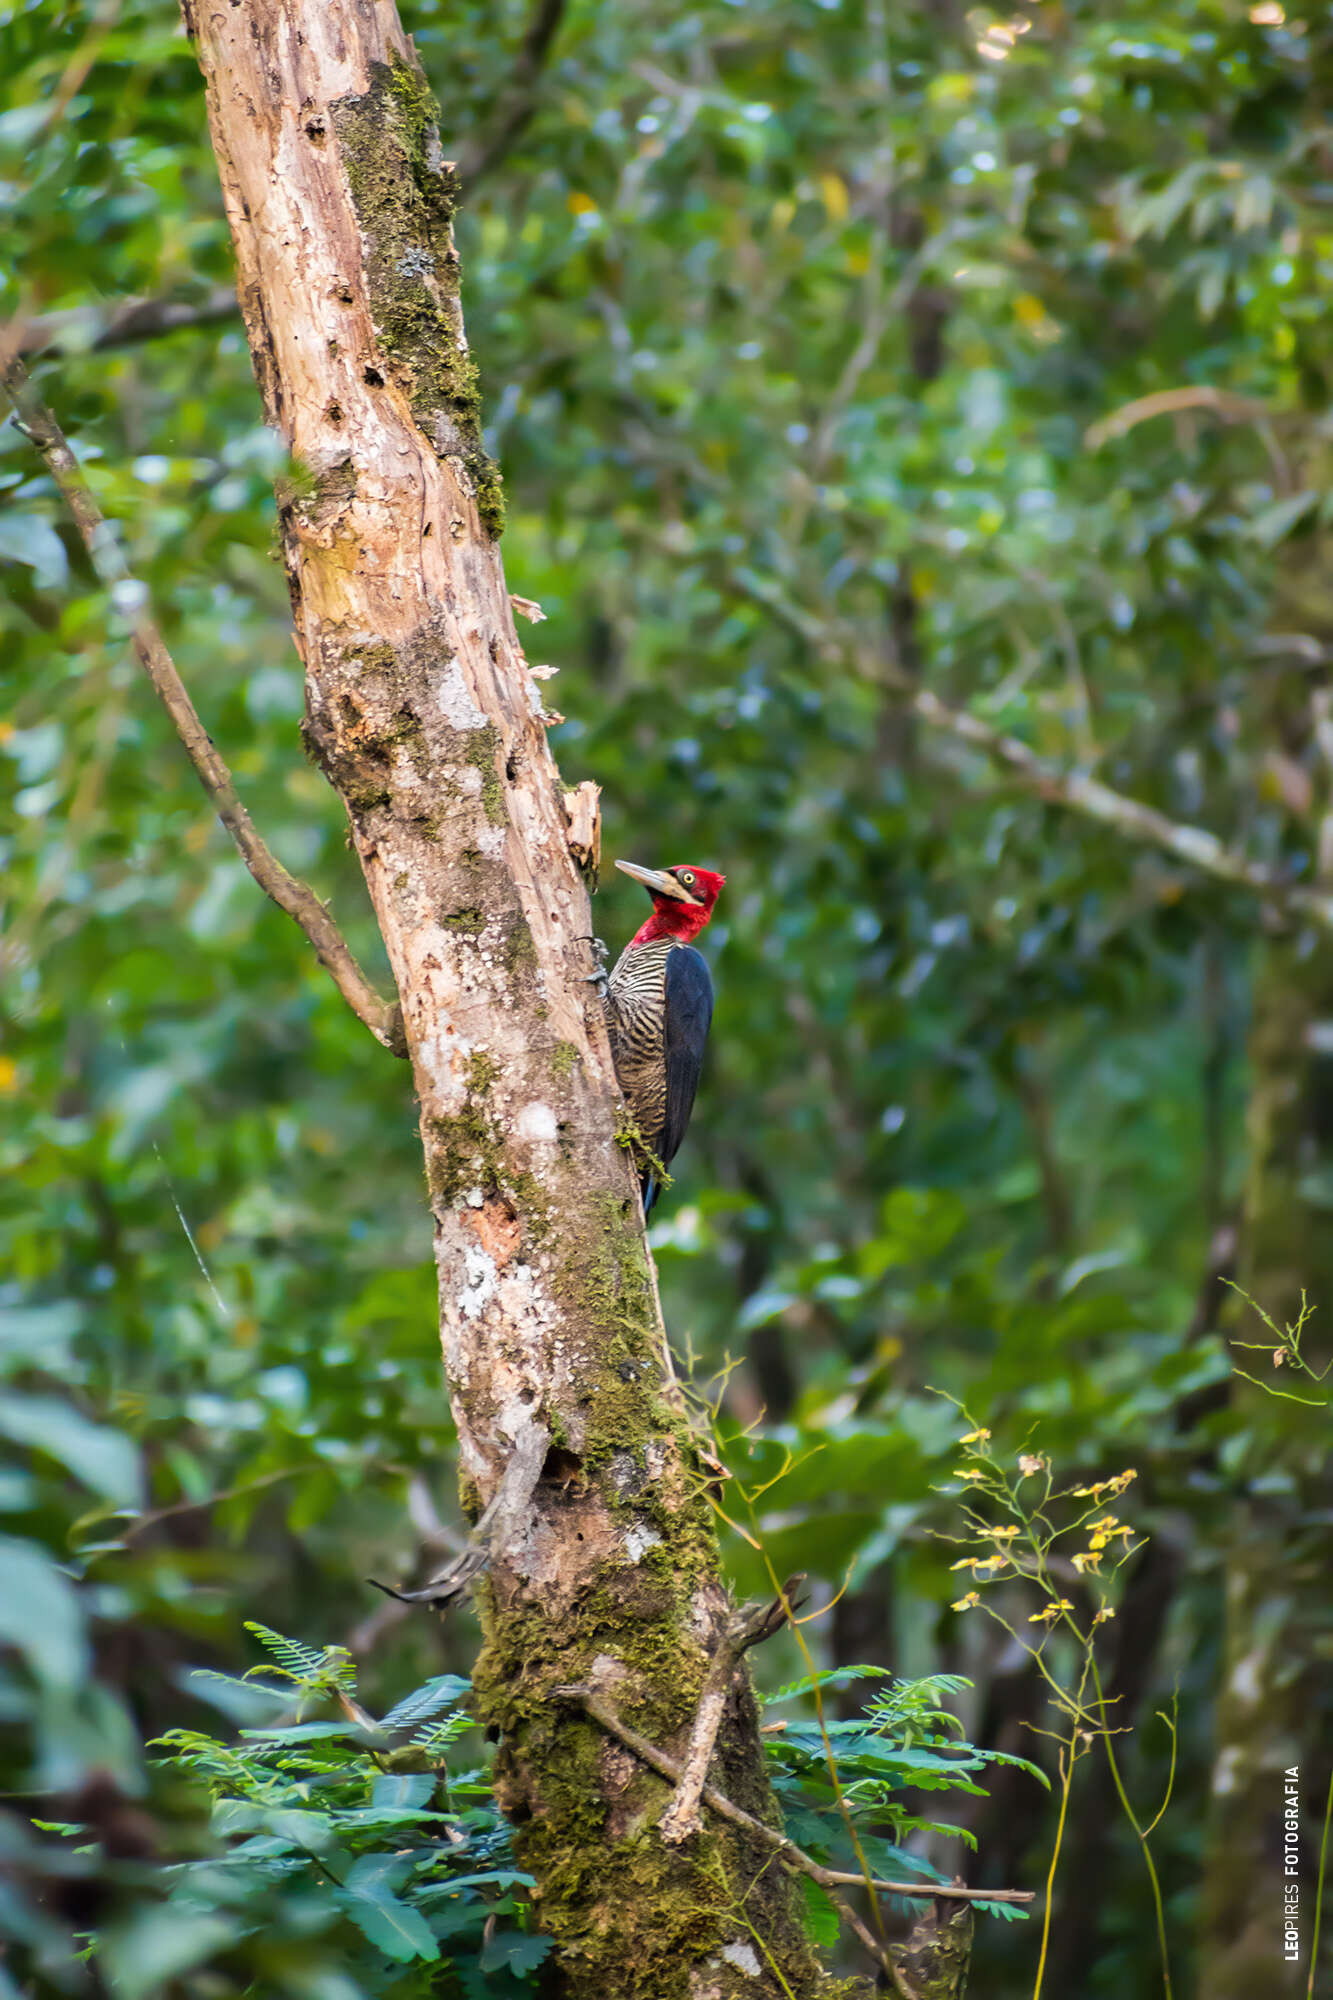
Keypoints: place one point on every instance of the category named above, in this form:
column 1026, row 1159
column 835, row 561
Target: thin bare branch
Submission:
column 384, row 1019
column 792, row 1856
column 91, row 329
column 142, row 1522
column 1074, row 790
column 1221, row 403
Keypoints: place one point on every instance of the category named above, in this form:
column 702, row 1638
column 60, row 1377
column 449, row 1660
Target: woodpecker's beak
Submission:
column 656, row 880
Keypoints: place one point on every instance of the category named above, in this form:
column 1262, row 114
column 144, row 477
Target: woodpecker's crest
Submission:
column 683, row 899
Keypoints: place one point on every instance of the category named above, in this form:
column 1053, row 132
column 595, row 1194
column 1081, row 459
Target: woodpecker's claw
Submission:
column 600, row 978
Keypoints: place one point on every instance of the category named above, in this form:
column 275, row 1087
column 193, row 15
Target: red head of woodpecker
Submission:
column 659, row 1005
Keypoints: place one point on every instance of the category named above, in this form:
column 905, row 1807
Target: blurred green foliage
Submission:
column 794, row 319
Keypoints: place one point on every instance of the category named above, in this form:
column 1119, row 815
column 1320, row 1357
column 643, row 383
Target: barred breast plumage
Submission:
column 659, row 1004
column 636, row 1018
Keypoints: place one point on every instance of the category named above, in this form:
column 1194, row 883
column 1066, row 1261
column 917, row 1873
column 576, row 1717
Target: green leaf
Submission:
column 160, row 1944
column 488, row 1878
column 304, row 1732
column 1271, row 523
column 516, row 1951
column 40, row 1615
column 441, row 1692
column 394, row 1927
column 822, row 1919
column 30, row 538
column 311, row 1831
column 302, row 1662
column 105, row 1460
column 403, row 1791
column 38, row 1336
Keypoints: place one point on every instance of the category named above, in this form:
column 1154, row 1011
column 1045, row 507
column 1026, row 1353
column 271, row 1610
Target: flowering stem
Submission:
column 1142, row 1837
column 1067, row 1778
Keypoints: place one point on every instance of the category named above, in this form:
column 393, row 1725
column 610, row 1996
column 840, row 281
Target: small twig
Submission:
column 178, row 1507
column 788, row 1852
column 384, row 1019
column 747, row 1627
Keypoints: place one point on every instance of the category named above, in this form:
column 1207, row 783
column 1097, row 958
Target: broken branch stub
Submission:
column 423, row 715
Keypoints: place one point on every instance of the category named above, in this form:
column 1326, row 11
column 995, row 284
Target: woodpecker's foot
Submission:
column 600, row 978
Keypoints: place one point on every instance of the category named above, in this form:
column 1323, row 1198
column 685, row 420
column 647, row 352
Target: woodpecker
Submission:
column 659, row 1004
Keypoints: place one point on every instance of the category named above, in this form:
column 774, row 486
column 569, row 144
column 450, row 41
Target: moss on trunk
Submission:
column 405, row 194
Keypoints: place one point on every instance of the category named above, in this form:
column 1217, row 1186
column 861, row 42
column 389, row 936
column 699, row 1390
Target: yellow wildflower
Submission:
column 1050, row 1611
column 1105, row 1613
column 1088, row 1559
column 1032, row 1461
column 975, row 1437
column 967, row 1472
column 966, row 1603
column 1003, row 1534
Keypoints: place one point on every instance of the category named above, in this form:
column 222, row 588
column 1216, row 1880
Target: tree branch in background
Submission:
column 300, row 902
column 91, row 329
column 520, row 98
column 1220, row 403
column 1074, row 790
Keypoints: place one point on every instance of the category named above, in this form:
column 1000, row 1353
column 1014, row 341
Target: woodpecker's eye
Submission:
column 685, row 878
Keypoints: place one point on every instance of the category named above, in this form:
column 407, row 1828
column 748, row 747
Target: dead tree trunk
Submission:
column 422, row 713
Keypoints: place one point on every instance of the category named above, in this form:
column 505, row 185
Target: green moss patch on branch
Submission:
column 405, row 196
column 482, row 748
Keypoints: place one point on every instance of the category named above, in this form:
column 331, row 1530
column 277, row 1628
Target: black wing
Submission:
column 689, row 1013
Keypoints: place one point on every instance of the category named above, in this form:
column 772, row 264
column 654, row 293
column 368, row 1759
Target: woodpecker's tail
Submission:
column 650, row 1190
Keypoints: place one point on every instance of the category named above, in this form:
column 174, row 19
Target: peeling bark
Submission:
column 424, row 716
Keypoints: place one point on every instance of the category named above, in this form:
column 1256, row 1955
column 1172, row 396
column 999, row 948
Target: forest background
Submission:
column 853, row 370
